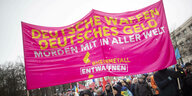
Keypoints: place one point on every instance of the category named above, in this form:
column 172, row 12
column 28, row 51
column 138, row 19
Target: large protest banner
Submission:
column 100, row 44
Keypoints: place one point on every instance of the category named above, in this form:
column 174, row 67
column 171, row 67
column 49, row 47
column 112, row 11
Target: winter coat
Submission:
column 167, row 86
column 133, row 89
column 142, row 89
column 188, row 85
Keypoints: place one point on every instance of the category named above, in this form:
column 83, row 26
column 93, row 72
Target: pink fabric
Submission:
column 60, row 55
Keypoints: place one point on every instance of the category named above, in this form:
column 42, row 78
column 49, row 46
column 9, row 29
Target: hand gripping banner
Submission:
column 100, row 44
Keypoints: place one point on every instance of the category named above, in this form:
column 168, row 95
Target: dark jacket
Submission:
column 188, row 85
column 118, row 88
column 142, row 89
column 166, row 84
column 133, row 89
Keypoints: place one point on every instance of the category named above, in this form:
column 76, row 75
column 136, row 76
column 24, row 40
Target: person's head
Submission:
column 190, row 61
column 85, row 93
column 149, row 78
column 179, row 66
column 95, row 90
column 73, row 91
column 68, row 90
column 91, row 90
column 123, row 82
column 128, row 81
column 140, row 78
column 134, row 81
column 107, row 87
column 188, row 67
column 117, row 89
column 99, row 92
column 119, row 83
column 144, row 75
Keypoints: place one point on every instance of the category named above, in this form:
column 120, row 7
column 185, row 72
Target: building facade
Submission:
column 182, row 39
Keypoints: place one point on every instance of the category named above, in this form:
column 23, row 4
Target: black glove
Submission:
column 176, row 74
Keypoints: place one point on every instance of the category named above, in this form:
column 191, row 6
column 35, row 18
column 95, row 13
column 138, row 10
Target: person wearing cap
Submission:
column 188, row 80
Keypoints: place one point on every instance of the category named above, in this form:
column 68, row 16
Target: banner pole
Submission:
column 27, row 92
column 178, row 81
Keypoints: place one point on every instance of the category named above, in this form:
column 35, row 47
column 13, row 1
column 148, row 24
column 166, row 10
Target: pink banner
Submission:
column 100, row 44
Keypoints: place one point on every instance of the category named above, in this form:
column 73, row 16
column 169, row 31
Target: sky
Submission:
column 57, row 13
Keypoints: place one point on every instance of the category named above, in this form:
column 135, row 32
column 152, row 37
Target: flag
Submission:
column 70, row 86
column 99, row 83
column 109, row 81
column 177, row 54
column 76, row 89
column 132, row 76
column 104, row 83
column 78, row 85
column 81, row 86
column 94, row 80
column 92, row 85
column 148, row 33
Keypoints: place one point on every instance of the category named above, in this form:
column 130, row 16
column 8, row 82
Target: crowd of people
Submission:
column 166, row 82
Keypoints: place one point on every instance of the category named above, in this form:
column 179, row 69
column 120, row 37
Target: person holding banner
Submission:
column 188, row 80
column 166, row 80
